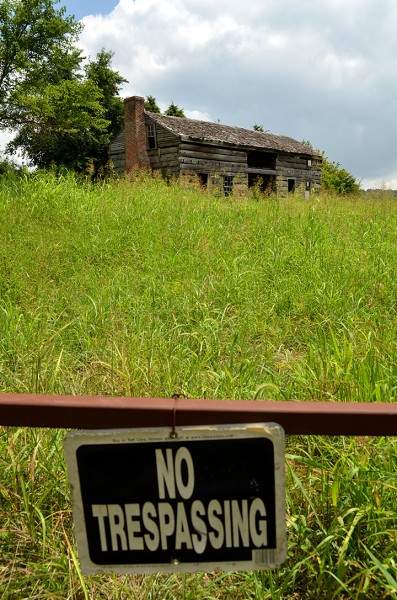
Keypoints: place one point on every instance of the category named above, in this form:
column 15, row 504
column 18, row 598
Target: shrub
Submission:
column 336, row 179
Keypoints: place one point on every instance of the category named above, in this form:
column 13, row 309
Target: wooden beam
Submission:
column 104, row 412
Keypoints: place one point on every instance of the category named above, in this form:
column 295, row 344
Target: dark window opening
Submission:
column 227, row 185
column 265, row 184
column 203, row 178
column 151, row 137
column 261, row 160
column 291, row 186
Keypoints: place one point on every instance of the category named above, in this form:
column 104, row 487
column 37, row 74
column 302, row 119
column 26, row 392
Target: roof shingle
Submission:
column 225, row 134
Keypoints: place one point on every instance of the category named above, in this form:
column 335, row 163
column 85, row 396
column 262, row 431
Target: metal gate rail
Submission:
column 105, row 412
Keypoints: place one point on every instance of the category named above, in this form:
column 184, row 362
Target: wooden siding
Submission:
column 165, row 138
column 212, row 159
column 212, row 151
column 118, row 161
column 296, row 167
column 117, row 152
column 165, row 157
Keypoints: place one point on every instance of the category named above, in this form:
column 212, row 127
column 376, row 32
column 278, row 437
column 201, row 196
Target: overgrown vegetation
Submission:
column 334, row 178
column 140, row 288
column 337, row 180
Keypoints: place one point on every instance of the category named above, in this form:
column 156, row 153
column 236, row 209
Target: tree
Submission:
column 72, row 123
column 8, row 167
column 151, row 105
column 336, row 179
column 333, row 177
column 63, row 116
column 109, row 82
column 174, row 111
column 66, row 125
column 36, row 49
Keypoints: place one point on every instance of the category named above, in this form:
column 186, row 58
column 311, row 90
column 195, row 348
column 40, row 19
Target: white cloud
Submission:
column 197, row 114
column 387, row 183
column 5, row 137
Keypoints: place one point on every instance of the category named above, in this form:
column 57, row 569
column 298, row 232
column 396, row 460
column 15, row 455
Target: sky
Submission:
column 324, row 71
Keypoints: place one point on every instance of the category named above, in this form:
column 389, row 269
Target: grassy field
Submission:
column 143, row 289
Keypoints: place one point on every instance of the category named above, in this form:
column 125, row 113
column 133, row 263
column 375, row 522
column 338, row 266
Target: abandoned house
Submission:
column 223, row 158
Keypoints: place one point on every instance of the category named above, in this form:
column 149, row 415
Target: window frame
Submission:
column 291, row 185
column 203, row 179
column 228, row 184
column 151, row 138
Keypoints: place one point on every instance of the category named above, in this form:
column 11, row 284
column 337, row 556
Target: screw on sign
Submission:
column 211, row 498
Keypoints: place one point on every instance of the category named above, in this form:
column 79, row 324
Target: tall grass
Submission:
column 145, row 289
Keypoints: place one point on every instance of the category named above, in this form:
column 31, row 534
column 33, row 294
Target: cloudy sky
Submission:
column 317, row 70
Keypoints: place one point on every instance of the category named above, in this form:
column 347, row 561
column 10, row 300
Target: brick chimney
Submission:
column 136, row 155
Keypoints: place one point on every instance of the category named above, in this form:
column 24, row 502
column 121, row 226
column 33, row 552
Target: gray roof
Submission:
column 225, row 134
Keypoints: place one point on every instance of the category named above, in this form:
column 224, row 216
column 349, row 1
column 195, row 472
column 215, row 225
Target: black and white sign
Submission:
column 211, row 498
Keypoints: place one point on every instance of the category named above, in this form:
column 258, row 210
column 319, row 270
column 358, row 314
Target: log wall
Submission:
column 117, row 152
column 216, row 162
column 295, row 167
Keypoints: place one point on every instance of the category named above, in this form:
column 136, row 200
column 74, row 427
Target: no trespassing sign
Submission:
column 213, row 497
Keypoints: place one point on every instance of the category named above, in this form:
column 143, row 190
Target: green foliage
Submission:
column 36, row 49
column 334, row 178
column 307, row 143
column 62, row 118
column 151, row 105
column 109, row 83
column 174, row 111
column 257, row 127
column 67, row 125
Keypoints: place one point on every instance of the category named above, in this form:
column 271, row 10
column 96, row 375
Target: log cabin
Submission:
column 225, row 159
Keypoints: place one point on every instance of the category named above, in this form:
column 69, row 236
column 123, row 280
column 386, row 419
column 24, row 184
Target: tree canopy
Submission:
column 174, row 111
column 334, row 178
column 66, row 124
column 63, row 114
column 151, row 105
column 36, row 49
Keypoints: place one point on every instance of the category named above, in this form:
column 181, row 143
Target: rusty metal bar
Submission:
column 104, row 412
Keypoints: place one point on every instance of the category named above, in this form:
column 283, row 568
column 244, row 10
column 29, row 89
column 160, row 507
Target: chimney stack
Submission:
column 136, row 155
